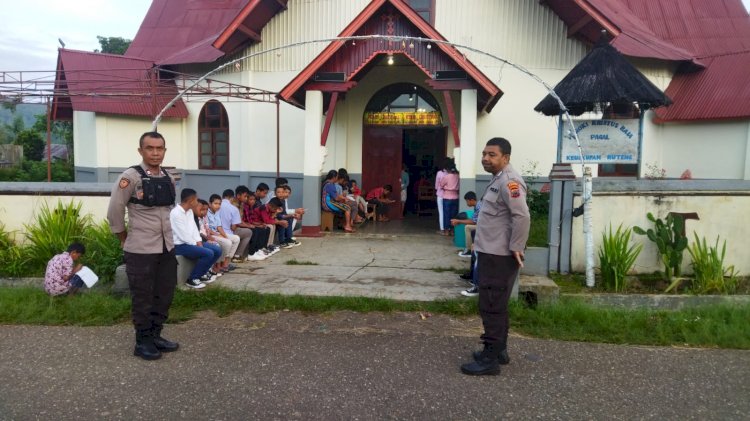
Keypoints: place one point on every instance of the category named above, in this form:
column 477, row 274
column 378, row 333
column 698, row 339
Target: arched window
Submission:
column 213, row 137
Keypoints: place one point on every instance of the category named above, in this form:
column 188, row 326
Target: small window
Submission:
column 213, row 137
column 425, row 9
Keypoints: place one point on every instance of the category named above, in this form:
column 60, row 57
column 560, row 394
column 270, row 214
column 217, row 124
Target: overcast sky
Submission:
column 30, row 28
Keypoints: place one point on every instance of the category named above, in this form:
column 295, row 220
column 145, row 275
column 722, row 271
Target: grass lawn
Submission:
column 715, row 326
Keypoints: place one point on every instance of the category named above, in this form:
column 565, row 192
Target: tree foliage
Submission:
column 33, row 144
column 113, row 45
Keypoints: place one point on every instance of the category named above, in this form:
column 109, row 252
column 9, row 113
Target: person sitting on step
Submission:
column 379, row 196
column 188, row 242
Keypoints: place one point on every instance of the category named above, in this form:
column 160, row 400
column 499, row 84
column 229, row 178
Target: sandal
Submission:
column 350, row 230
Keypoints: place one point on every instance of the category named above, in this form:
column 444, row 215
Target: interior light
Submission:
column 390, row 60
column 411, row 97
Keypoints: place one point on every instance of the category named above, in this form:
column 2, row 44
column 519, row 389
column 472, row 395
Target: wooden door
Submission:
column 381, row 162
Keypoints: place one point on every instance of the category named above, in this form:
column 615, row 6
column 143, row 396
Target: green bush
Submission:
column 670, row 240
column 711, row 276
column 53, row 231
column 616, row 258
column 103, row 251
column 12, row 256
column 538, row 203
column 37, row 171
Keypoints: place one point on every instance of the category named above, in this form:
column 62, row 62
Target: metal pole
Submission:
column 588, row 229
column 49, row 145
column 278, row 139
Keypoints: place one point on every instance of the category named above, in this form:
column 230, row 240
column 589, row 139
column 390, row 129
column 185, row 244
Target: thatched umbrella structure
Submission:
column 604, row 77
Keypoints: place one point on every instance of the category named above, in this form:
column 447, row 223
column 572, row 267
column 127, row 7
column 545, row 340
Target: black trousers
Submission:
column 152, row 279
column 259, row 239
column 381, row 209
column 496, row 277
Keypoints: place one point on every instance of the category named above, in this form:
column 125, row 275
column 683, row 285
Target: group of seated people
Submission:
column 238, row 226
column 342, row 196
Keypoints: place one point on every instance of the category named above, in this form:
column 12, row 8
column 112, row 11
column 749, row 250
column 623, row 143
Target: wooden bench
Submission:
column 328, row 221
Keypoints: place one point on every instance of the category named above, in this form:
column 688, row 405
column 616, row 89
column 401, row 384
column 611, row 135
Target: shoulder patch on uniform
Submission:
column 515, row 189
column 124, row 182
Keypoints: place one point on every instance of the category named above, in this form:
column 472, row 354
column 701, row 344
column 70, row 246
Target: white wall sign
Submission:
column 603, row 142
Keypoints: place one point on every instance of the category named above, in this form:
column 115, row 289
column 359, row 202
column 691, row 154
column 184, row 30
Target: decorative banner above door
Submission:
column 404, row 119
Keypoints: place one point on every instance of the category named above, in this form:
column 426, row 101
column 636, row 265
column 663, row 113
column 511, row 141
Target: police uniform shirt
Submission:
column 148, row 228
column 504, row 220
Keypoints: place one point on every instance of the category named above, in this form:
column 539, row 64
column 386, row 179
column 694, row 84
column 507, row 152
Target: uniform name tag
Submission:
column 494, row 189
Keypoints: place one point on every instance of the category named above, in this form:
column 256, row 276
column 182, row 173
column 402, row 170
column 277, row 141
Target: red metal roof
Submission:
column 703, row 27
column 631, row 36
column 353, row 60
column 200, row 31
column 720, row 91
column 710, row 33
column 111, row 84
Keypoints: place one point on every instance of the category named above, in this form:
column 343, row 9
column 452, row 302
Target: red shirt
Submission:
column 375, row 193
column 261, row 215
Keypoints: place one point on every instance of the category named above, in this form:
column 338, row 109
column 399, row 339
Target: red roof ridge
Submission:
column 99, row 54
column 728, row 53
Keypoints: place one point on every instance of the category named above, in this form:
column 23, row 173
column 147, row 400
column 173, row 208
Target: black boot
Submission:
column 162, row 344
column 144, row 345
column 487, row 364
column 502, row 357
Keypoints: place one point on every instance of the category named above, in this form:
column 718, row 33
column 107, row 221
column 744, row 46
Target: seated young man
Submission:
column 200, row 214
column 298, row 213
column 188, row 242
column 266, row 215
column 228, row 242
column 379, row 196
column 230, row 223
column 284, row 215
column 60, row 277
column 333, row 201
column 261, row 247
column 469, row 224
column 261, row 194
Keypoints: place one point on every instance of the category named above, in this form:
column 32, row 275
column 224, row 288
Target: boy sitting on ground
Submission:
column 379, row 196
column 261, row 194
column 60, row 277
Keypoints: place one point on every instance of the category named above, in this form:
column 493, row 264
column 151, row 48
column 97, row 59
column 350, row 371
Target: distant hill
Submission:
column 27, row 111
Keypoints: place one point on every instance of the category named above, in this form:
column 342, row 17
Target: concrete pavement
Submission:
column 404, row 267
column 345, row 365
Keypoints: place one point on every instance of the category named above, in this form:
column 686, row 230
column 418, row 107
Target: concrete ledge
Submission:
column 660, row 301
column 121, row 286
column 545, row 290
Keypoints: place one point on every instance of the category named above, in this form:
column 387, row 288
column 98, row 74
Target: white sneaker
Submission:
column 195, row 284
column 257, row 256
column 464, row 253
column 207, row 279
column 471, row 292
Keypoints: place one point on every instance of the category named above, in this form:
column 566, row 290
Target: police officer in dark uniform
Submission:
column 500, row 239
column 147, row 192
